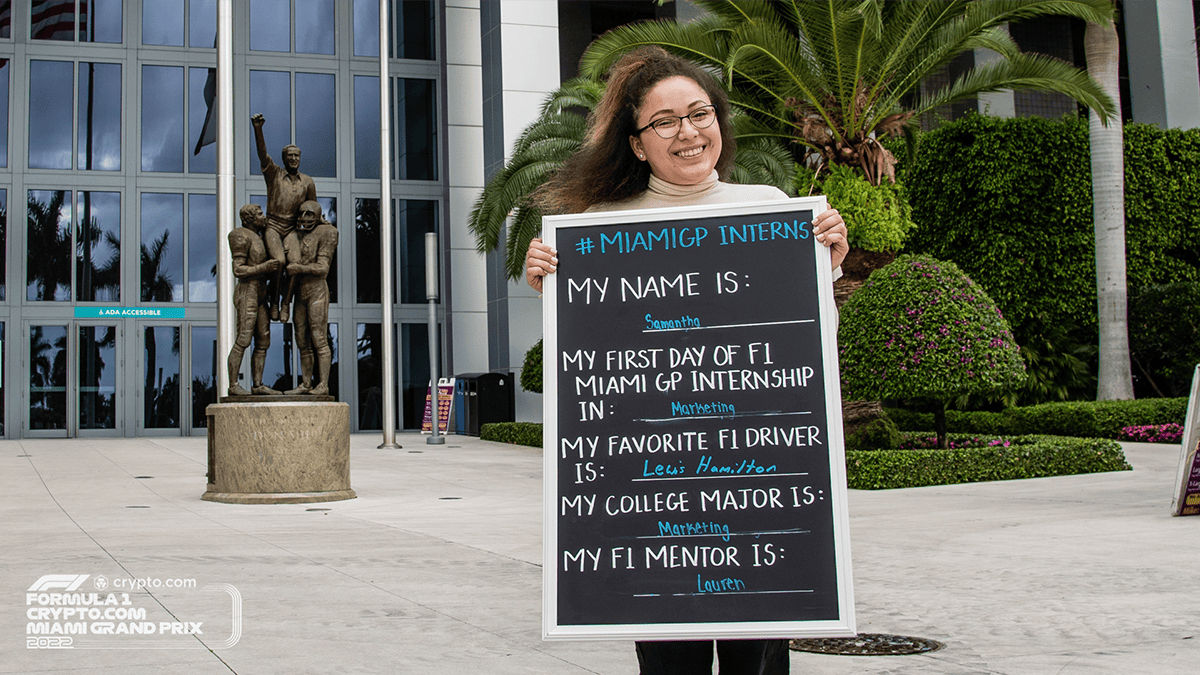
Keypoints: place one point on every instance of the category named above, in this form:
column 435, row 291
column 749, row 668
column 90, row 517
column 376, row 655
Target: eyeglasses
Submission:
column 668, row 126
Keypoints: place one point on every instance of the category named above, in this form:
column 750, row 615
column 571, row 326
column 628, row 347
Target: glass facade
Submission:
column 115, row 157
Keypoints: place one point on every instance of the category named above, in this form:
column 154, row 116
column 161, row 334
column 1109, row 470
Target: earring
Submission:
column 641, row 157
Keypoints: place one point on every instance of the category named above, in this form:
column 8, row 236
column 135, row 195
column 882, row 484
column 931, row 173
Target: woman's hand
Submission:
column 831, row 231
column 541, row 260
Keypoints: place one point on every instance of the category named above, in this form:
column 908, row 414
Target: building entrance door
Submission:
column 74, row 368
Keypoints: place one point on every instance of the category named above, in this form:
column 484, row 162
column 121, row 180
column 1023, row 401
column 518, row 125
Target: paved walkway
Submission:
column 435, row 567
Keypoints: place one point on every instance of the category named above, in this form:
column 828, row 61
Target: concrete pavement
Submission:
column 436, row 567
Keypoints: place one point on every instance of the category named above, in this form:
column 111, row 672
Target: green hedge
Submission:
column 1026, row 457
column 1087, row 419
column 517, row 433
column 1009, row 200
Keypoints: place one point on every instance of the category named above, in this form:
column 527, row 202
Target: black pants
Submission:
column 735, row 657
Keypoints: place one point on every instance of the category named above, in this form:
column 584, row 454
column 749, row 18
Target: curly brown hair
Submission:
column 605, row 168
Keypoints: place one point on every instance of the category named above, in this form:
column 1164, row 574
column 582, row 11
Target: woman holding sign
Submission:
column 660, row 137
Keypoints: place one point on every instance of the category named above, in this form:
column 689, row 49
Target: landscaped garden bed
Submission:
column 976, row 458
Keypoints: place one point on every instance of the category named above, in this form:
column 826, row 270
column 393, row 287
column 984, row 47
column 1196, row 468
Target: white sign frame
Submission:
column 845, row 626
column 1191, row 438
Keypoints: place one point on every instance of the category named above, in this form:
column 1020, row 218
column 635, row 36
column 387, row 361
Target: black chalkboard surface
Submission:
column 695, row 473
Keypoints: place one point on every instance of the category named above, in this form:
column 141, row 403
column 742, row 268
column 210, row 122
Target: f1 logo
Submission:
column 67, row 582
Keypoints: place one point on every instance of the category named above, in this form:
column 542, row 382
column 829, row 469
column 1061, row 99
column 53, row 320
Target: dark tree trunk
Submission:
column 939, row 424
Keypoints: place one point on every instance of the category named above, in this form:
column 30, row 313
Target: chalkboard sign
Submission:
column 1187, row 481
column 695, row 472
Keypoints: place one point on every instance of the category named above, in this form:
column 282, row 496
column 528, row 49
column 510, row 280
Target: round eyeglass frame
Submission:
column 710, row 108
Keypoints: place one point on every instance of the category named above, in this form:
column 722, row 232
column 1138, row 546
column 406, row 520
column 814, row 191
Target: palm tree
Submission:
column 556, row 135
column 157, row 285
column 1115, row 378
column 836, row 76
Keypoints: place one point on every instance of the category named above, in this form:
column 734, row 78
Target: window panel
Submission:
column 162, row 118
column 161, row 368
column 366, row 126
column 315, row 23
column 204, row 372
column 416, row 135
column 414, row 29
column 47, row 377
column 99, row 116
column 270, row 25
column 202, row 23
column 415, row 217
column 202, row 248
column 202, row 86
column 52, row 20
column 5, row 32
column 271, row 95
column 316, row 123
column 50, row 120
column 98, row 247
column 367, row 251
column 162, row 22
column 370, row 376
column 48, row 240
column 3, row 254
column 97, row 377
column 162, row 247
column 4, row 76
column 366, row 28
column 415, row 354
column 103, row 24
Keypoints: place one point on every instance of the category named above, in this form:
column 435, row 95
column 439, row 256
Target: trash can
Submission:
column 484, row 398
column 460, row 402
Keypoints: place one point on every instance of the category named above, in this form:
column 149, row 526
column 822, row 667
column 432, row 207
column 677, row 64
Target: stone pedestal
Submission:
column 278, row 452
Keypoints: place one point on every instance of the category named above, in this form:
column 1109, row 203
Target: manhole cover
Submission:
column 867, row 644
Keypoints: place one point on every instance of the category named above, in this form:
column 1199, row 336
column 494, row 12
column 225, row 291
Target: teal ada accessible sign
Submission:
column 129, row 312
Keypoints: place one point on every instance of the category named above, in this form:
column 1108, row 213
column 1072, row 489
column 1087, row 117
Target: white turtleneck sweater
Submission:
column 660, row 194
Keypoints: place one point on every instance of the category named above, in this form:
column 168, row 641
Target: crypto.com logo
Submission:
column 67, row 582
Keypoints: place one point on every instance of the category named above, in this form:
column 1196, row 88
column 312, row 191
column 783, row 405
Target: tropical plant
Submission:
column 837, row 76
column 921, row 330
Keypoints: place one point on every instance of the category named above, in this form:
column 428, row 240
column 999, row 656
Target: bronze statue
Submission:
column 310, row 250
column 287, row 188
column 251, row 266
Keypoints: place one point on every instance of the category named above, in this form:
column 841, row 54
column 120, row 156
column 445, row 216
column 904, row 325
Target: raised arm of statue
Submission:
column 260, row 143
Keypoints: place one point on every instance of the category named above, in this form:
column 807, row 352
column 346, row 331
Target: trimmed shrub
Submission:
column 531, row 370
column 1087, row 419
column 1024, row 457
column 880, row 432
column 920, row 329
column 517, row 433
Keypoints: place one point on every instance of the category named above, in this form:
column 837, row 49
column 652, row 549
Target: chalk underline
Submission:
column 723, row 535
column 731, row 325
column 679, row 595
column 736, row 475
column 755, row 413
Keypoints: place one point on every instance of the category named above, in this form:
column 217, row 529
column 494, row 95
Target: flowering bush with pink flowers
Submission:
column 920, row 330
column 1153, row 433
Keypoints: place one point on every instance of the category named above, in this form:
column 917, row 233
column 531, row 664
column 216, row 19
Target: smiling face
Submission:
column 291, row 158
column 688, row 157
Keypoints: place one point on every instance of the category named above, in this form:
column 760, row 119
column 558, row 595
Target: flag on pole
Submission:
column 208, row 133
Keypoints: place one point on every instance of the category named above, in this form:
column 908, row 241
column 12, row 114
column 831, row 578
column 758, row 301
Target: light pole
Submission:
column 431, row 293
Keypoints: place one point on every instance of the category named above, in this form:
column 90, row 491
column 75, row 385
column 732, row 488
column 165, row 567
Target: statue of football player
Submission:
column 251, row 267
column 287, row 189
column 310, row 250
